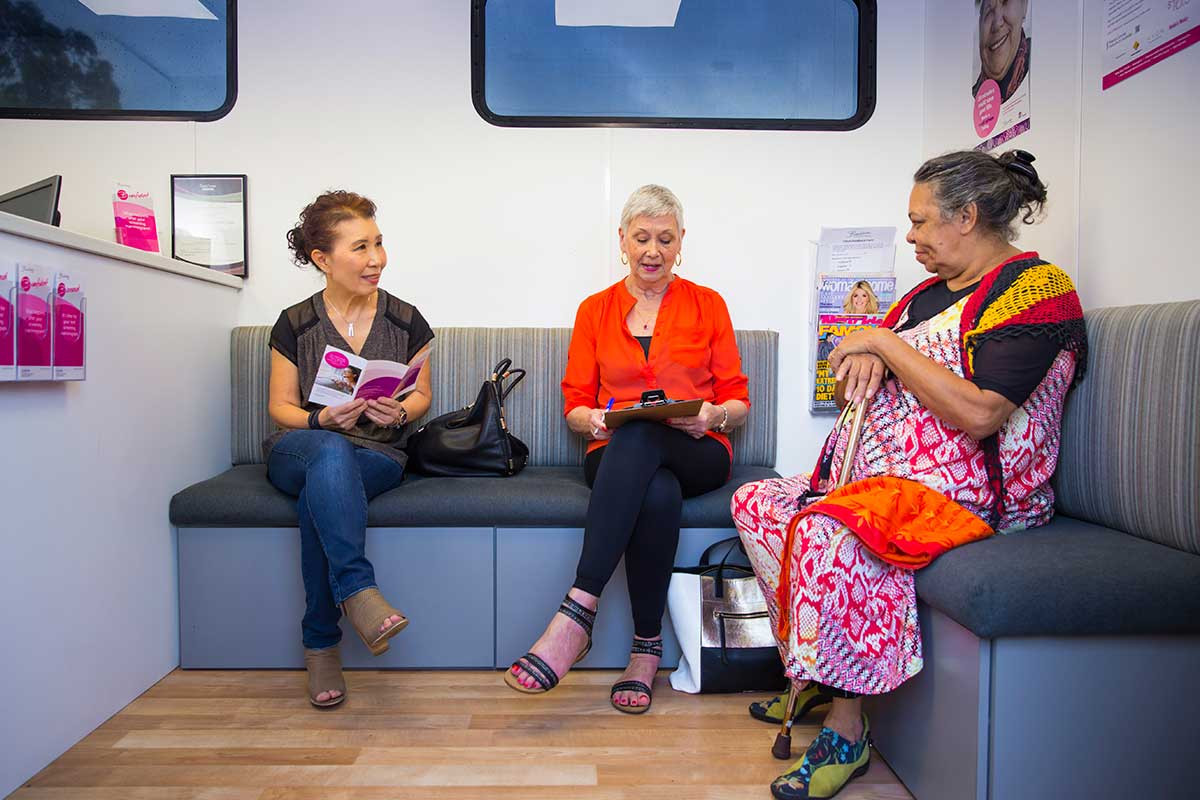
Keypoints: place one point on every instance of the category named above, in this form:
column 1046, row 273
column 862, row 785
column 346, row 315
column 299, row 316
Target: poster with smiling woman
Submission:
column 1003, row 41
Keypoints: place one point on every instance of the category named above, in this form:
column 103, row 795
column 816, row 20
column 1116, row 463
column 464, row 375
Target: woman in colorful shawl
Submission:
column 964, row 383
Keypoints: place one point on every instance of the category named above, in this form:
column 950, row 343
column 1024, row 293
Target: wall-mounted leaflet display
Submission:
column 70, row 328
column 8, row 338
column 854, row 288
column 208, row 213
column 43, row 324
column 34, row 353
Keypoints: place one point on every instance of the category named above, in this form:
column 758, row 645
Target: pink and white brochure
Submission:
column 343, row 377
column 70, row 308
column 33, row 324
column 133, row 211
column 8, row 340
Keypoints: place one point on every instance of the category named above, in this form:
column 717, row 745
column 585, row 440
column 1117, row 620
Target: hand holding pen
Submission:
column 596, row 420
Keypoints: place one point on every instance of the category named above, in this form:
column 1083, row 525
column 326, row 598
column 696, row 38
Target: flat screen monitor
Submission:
column 37, row 201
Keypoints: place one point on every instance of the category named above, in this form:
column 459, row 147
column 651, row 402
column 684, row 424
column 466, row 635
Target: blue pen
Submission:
column 608, row 407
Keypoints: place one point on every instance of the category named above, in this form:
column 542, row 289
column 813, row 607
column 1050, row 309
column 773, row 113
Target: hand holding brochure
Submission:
column 344, row 376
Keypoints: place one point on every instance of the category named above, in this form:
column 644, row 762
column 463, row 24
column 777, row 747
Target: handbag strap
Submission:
column 735, row 543
column 502, row 372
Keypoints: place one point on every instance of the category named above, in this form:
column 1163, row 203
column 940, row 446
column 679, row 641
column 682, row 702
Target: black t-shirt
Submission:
column 1012, row 367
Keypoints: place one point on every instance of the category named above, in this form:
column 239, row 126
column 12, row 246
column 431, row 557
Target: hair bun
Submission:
column 1021, row 162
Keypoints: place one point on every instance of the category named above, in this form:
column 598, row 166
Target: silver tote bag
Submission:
column 724, row 632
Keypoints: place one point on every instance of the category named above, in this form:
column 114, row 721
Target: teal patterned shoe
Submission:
column 772, row 710
column 829, row 764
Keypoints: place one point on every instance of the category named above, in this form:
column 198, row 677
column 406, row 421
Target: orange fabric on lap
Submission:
column 693, row 353
column 902, row 522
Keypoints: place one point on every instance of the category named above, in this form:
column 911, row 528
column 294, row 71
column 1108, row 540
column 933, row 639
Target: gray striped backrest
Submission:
column 463, row 357
column 1131, row 430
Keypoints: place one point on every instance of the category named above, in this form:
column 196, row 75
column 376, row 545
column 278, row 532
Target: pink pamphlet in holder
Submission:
column 70, row 307
column 8, row 340
column 33, row 324
column 133, row 211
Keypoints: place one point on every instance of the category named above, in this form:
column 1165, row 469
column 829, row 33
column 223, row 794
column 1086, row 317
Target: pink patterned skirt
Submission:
column 853, row 617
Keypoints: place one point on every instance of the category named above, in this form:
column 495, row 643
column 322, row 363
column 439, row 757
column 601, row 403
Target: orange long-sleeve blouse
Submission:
column 693, row 352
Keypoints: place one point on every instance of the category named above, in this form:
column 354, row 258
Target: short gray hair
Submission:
column 1001, row 187
column 651, row 200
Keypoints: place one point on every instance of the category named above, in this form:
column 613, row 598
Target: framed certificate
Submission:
column 208, row 218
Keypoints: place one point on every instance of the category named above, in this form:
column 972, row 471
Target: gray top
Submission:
column 398, row 333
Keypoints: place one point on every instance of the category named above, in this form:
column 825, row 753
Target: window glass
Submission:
column 114, row 59
column 697, row 63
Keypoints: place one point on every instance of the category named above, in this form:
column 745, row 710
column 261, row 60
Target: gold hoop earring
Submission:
column 678, row 259
column 624, row 258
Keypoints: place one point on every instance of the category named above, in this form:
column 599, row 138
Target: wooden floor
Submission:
column 251, row 735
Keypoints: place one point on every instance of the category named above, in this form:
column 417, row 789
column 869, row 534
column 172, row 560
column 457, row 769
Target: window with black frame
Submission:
column 775, row 64
column 118, row 59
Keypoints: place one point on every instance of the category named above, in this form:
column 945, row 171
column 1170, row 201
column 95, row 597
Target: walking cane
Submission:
column 782, row 749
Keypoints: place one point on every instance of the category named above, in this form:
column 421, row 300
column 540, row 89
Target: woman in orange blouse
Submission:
column 651, row 330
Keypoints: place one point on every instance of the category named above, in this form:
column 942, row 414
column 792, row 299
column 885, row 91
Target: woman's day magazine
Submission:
column 344, row 376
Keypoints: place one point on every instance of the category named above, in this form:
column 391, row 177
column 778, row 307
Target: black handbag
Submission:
column 723, row 628
column 475, row 440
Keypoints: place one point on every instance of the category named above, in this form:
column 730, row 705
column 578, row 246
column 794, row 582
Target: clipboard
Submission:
column 658, row 411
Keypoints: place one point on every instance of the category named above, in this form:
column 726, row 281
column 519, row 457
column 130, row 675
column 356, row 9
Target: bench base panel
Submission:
column 1041, row 717
column 476, row 597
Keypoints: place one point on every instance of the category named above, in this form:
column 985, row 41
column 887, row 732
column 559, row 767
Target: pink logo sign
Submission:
column 122, row 194
column 62, row 290
column 337, row 360
column 987, row 108
column 25, row 284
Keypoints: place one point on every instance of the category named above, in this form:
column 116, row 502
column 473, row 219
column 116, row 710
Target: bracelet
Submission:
column 314, row 419
column 720, row 428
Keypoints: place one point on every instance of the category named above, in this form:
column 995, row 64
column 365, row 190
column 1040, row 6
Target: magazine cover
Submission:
column 343, row 376
column 8, row 342
column 830, row 330
column 855, row 294
column 69, row 328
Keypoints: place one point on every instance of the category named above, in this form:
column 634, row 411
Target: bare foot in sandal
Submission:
column 564, row 642
column 326, row 685
column 643, row 666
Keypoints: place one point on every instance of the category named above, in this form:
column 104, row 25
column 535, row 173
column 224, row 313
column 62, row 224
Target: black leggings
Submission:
column 639, row 480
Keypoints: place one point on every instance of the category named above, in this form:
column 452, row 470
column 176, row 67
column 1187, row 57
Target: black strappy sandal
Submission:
column 640, row 647
column 538, row 669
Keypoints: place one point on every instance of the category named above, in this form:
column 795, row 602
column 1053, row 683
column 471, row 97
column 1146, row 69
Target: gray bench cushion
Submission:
column 1069, row 578
column 1131, row 430
column 242, row 497
column 463, row 357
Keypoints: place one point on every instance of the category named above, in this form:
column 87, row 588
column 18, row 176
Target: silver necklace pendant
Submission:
column 350, row 329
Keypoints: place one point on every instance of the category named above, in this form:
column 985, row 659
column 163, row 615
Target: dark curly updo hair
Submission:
column 1002, row 188
column 315, row 230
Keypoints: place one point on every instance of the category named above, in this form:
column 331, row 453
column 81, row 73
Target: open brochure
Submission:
column 344, row 376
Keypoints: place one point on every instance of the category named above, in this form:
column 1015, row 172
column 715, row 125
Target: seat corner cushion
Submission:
column 239, row 497
column 1068, row 578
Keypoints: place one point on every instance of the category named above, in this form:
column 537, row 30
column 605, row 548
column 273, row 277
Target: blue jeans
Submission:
column 332, row 481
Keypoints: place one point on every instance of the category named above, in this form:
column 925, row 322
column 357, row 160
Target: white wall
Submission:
column 492, row 226
column 90, row 616
column 1121, row 165
column 1140, row 168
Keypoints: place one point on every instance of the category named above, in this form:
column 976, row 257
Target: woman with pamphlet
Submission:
column 339, row 446
column 652, row 330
